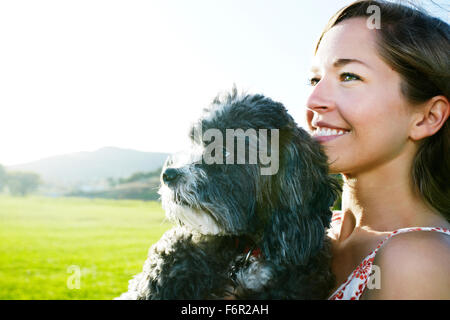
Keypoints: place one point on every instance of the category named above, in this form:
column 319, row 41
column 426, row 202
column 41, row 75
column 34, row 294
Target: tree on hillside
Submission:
column 22, row 183
column 138, row 176
column 112, row 182
column 2, row 177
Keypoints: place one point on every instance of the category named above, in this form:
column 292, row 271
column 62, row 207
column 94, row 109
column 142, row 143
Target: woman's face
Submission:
column 357, row 94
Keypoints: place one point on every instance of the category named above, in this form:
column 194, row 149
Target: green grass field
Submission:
column 51, row 246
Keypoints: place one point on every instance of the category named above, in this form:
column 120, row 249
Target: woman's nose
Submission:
column 321, row 98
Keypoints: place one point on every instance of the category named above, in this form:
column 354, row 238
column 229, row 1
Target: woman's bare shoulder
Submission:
column 414, row 265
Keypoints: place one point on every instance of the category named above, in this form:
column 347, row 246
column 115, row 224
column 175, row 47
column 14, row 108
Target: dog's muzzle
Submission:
column 170, row 176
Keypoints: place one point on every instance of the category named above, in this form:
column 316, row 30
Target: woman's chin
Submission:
column 336, row 167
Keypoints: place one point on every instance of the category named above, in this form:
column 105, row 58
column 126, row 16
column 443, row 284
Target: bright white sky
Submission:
column 81, row 75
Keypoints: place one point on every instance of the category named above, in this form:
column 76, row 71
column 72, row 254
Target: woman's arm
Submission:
column 414, row 265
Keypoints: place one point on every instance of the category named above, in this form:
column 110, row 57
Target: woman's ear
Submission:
column 431, row 118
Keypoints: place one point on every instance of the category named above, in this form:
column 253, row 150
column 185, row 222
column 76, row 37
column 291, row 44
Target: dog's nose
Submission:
column 171, row 175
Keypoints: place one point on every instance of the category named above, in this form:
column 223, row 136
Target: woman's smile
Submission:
column 323, row 132
column 326, row 134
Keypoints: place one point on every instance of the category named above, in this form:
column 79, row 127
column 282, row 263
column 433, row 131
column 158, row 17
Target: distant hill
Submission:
column 142, row 190
column 86, row 167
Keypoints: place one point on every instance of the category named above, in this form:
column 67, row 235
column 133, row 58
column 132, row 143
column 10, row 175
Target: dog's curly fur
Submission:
column 239, row 232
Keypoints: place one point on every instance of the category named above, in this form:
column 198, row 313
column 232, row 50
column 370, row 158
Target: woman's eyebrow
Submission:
column 342, row 62
column 314, row 69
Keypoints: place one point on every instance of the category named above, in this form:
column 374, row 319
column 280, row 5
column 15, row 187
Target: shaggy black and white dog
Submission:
column 239, row 231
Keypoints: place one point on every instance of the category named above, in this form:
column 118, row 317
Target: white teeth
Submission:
column 328, row 132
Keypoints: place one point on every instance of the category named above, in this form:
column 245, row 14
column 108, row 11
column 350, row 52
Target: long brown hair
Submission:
column 417, row 46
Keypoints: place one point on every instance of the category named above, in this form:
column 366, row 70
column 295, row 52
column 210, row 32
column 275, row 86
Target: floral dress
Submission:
column 357, row 281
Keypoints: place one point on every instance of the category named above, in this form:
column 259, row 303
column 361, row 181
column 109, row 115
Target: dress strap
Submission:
column 405, row 230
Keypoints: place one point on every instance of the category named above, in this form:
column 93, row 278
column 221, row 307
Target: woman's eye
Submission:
column 346, row 76
column 313, row 81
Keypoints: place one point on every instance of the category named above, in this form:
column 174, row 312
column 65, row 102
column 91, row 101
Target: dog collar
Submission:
column 253, row 251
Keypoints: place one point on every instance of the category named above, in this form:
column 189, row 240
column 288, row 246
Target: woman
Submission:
column 385, row 92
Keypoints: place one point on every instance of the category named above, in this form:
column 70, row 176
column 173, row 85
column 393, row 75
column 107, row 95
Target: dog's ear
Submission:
column 298, row 208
